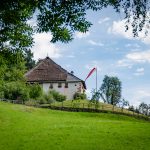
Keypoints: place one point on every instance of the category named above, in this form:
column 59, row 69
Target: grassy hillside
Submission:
column 87, row 104
column 28, row 128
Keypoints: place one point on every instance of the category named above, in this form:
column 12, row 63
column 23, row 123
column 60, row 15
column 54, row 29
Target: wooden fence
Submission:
column 85, row 107
column 91, row 107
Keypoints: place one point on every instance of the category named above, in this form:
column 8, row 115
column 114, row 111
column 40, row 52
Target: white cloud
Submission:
column 81, row 35
column 118, row 28
column 139, row 95
column 125, row 63
column 103, row 20
column 43, row 47
column 133, row 58
column 139, row 72
column 132, row 45
column 95, row 43
column 70, row 56
column 143, row 56
column 140, row 69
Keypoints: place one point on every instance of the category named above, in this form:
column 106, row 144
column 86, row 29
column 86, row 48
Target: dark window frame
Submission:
column 51, row 86
column 66, row 84
column 59, row 85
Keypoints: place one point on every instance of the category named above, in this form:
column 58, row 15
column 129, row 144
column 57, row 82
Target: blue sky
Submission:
column 109, row 48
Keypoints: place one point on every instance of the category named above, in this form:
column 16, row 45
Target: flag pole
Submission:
column 96, row 79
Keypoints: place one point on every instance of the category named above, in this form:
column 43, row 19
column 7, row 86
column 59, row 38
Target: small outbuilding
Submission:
column 51, row 76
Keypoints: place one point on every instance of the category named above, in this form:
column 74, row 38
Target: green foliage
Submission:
column 57, row 96
column 12, row 66
column 123, row 103
column 35, row 91
column 1, row 90
column 14, row 29
column 95, row 96
column 15, row 91
column 110, row 90
column 51, row 97
column 143, row 108
column 62, row 18
column 131, row 108
column 46, row 98
column 78, row 96
column 29, row 61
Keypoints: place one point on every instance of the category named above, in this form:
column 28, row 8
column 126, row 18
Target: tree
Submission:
column 143, row 108
column 62, row 18
column 149, row 109
column 95, row 96
column 110, row 90
column 12, row 66
column 29, row 61
column 123, row 103
column 131, row 108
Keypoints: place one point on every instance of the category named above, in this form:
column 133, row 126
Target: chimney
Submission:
column 72, row 72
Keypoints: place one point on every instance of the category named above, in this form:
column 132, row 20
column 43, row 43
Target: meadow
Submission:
column 29, row 128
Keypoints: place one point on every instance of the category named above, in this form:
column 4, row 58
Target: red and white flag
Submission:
column 94, row 69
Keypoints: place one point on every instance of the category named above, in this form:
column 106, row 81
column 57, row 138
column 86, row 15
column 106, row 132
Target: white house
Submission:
column 51, row 76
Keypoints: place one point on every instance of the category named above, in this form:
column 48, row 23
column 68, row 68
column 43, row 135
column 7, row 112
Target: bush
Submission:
column 16, row 91
column 78, row 96
column 35, row 91
column 57, row 96
column 46, row 98
column 1, row 91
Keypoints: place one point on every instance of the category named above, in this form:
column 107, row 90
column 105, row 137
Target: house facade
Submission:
column 51, row 76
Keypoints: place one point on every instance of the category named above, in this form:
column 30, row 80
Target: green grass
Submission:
column 28, row 128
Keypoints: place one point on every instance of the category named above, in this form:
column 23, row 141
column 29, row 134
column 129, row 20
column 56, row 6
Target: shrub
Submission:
column 57, row 96
column 1, row 94
column 46, row 98
column 49, row 97
column 1, row 91
column 79, row 96
column 16, row 91
column 35, row 91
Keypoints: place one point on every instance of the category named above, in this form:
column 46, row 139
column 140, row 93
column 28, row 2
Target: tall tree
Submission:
column 29, row 61
column 143, row 108
column 12, row 66
column 110, row 90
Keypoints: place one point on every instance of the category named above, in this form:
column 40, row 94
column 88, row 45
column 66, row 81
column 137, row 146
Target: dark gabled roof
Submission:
column 47, row 70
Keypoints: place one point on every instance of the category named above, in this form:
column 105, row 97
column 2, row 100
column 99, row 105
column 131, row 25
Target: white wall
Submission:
column 69, row 92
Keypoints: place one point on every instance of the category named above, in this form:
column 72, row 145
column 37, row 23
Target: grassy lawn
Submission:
column 28, row 128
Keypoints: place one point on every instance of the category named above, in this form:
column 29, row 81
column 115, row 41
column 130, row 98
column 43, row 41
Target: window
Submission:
column 66, row 85
column 59, row 85
column 51, row 86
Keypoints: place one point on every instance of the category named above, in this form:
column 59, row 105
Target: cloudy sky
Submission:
column 109, row 48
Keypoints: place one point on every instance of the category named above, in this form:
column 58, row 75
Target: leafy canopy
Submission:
column 62, row 18
column 110, row 90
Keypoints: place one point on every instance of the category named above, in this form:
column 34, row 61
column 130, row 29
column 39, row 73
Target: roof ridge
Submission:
column 59, row 67
column 27, row 73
